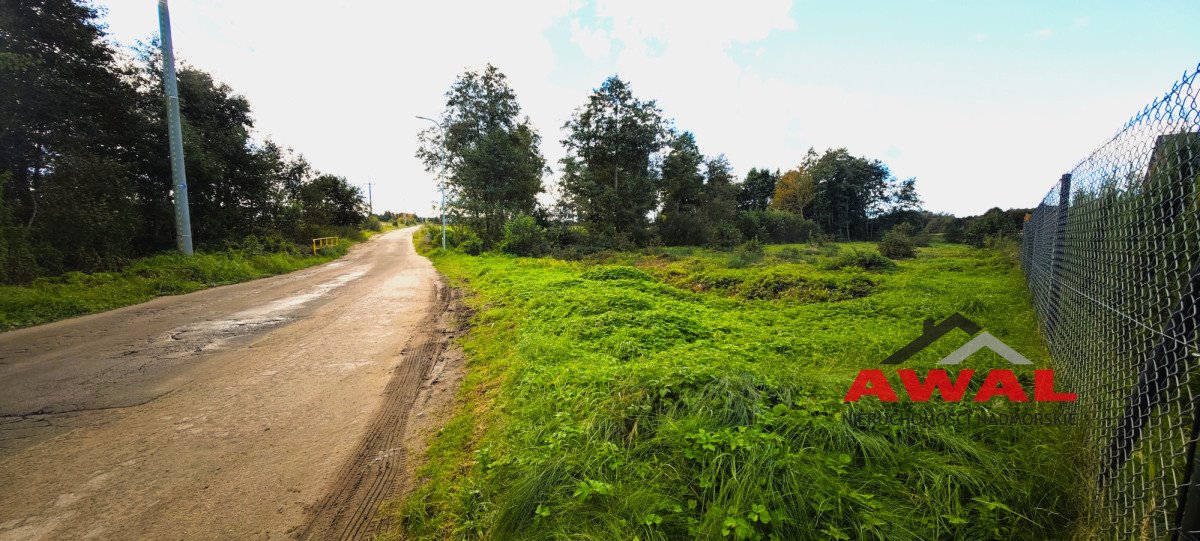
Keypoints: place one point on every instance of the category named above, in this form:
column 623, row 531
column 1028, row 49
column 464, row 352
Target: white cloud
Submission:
column 1043, row 33
column 342, row 84
column 594, row 42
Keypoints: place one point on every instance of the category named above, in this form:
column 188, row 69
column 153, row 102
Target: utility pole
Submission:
column 183, row 219
column 370, row 201
column 441, row 183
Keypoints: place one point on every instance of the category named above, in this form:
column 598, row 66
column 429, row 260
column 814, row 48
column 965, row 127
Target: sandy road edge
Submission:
column 417, row 401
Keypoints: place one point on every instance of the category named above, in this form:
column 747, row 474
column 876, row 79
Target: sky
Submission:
column 985, row 103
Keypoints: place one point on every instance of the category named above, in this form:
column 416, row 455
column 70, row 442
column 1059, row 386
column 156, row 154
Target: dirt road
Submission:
column 270, row 409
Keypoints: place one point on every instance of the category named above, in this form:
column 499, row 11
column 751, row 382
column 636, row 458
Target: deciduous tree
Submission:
column 609, row 177
column 682, row 191
column 487, row 152
column 757, row 190
column 795, row 191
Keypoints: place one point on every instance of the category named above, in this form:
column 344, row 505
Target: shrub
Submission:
column 565, row 235
column 469, row 243
column 862, row 260
column 373, row 223
column 918, row 237
column 725, row 236
column 576, row 242
column 685, row 229
column 457, row 238
column 523, row 236
column 896, row 245
column 993, row 223
column 1007, row 247
column 752, row 246
column 953, row 232
column 789, row 253
column 776, row 226
column 747, row 253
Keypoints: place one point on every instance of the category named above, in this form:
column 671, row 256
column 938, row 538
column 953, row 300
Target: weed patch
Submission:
column 608, row 400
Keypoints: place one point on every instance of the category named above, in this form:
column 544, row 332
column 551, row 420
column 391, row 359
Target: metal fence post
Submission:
column 1056, row 259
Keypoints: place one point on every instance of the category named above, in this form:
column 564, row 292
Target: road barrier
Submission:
column 1112, row 259
column 323, row 242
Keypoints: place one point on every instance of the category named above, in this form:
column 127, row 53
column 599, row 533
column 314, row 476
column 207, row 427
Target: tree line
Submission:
column 85, row 179
column 631, row 178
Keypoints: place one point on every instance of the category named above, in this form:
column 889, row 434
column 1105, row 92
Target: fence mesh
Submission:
column 1112, row 258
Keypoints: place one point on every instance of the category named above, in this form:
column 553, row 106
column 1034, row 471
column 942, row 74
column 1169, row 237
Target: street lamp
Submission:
column 441, row 183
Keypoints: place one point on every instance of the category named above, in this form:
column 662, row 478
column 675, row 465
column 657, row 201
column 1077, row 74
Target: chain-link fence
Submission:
column 1112, row 257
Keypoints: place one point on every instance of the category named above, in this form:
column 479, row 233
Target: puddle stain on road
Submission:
column 214, row 334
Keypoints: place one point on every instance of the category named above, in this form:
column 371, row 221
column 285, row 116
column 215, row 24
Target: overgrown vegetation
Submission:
column 685, row 393
column 75, row 293
column 897, row 245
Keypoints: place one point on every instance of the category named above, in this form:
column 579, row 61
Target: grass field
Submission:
column 76, row 293
column 692, row 394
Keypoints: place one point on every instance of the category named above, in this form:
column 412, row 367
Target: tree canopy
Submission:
column 758, row 189
column 795, row 191
column 85, row 177
column 487, row 152
column 682, row 192
column 608, row 174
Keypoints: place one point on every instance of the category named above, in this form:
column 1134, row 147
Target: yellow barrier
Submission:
column 323, row 242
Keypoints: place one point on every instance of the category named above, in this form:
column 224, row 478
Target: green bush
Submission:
column 790, row 253
column 686, row 229
column 863, row 260
column 725, row 236
column 993, row 223
column 523, row 236
column 458, row 238
column 777, row 227
column 1007, row 247
column 468, row 242
column 576, row 242
column 919, row 237
column 896, row 245
column 747, row 253
column 953, row 232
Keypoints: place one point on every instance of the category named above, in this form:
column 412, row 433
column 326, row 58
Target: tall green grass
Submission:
column 691, row 394
column 76, row 293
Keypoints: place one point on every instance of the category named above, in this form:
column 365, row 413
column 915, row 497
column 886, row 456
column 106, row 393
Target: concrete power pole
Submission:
column 183, row 219
column 370, row 201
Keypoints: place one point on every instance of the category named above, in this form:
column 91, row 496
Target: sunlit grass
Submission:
column 691, row 394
